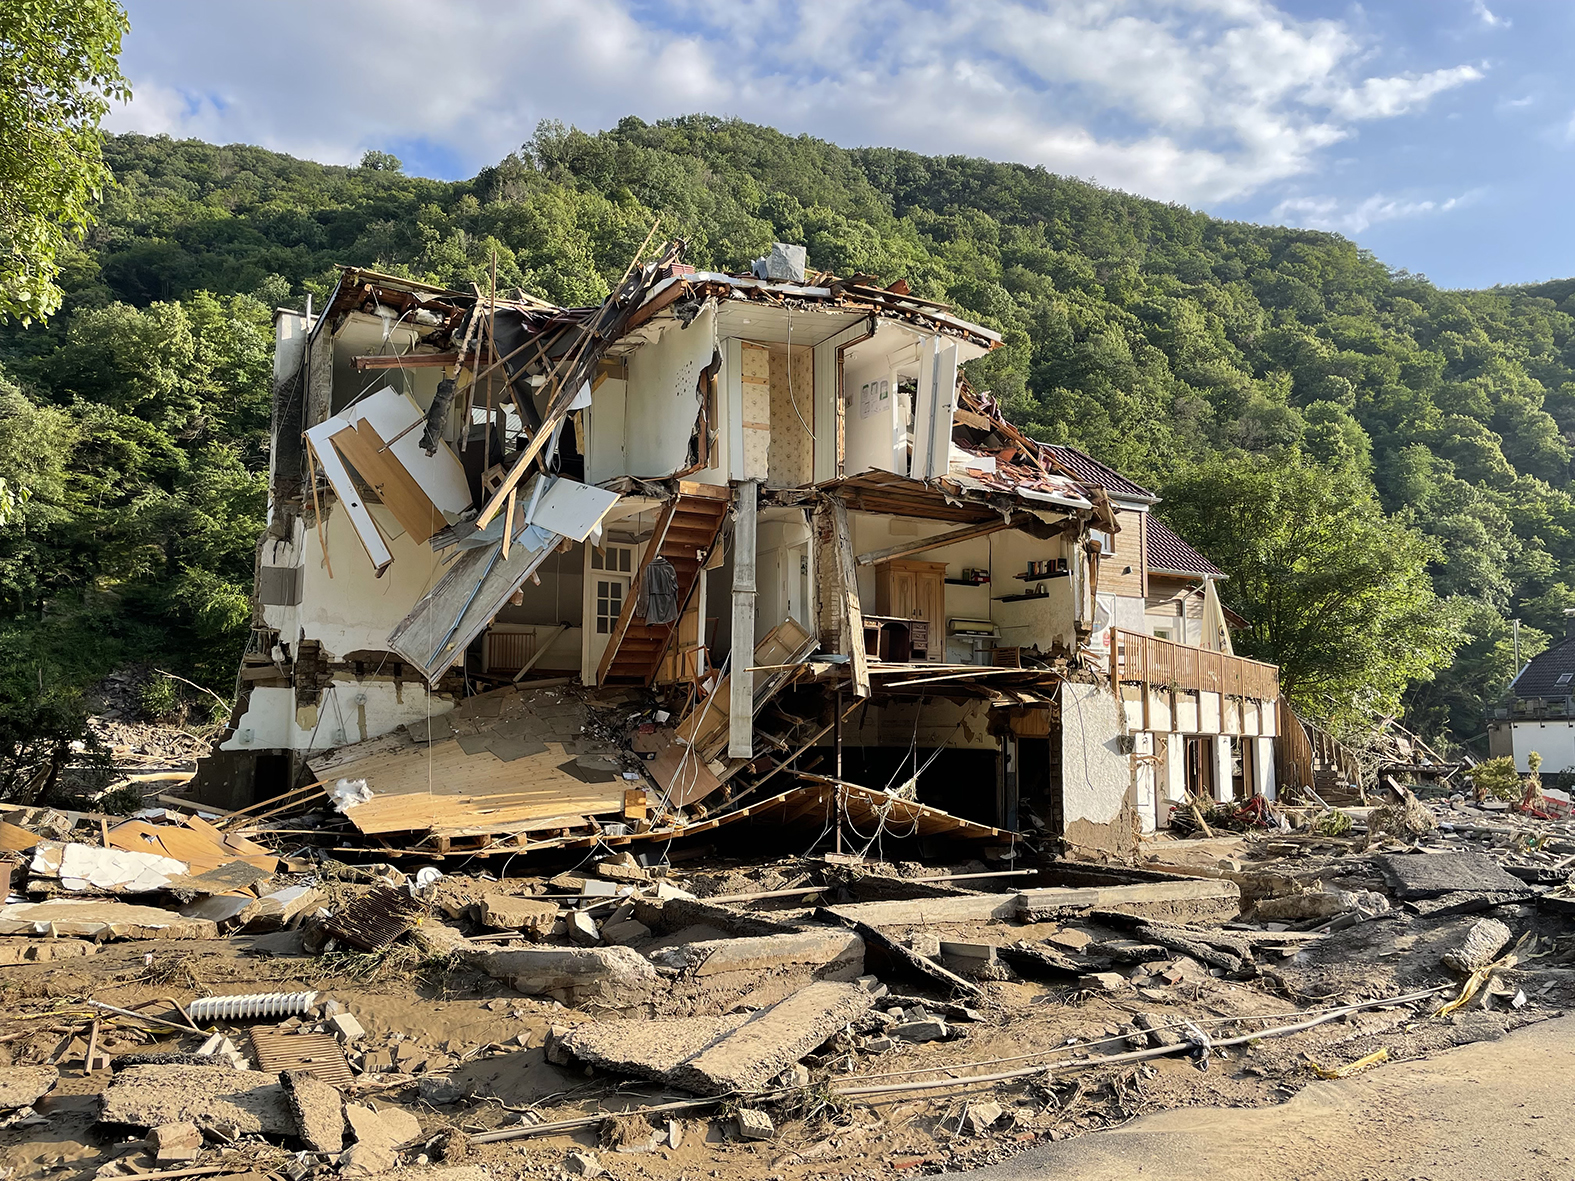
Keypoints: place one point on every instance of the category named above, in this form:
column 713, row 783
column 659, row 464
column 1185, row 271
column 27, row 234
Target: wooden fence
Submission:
column 1142, row 658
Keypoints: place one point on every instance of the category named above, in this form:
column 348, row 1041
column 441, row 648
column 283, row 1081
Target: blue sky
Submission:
column 1440, row 134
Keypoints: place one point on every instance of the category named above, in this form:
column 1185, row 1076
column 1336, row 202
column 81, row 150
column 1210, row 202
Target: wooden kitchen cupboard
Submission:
column 916, row 591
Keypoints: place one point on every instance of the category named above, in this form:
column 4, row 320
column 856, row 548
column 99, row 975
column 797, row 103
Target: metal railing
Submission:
column 1148, row 660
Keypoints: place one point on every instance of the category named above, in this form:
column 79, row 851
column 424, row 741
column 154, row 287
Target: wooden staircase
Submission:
column 686, row 533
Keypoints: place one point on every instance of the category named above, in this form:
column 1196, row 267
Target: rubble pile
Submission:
column 220, row 1007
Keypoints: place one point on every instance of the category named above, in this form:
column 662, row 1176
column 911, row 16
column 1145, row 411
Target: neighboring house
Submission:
column 1538, row 713
column 773, row 501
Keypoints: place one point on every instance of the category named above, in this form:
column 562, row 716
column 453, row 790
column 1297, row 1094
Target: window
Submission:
column 1565, row 678
column 615, row 559
column 609, row 603
column 1162, row 633
column 1107, row 544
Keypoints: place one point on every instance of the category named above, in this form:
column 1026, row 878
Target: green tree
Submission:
column 58, row 75
column 1333, row 591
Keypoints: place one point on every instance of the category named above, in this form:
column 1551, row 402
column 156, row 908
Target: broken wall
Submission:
column 1096, row 775
column 662, row 401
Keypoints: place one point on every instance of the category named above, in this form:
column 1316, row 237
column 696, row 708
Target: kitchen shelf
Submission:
column 966, row 582
column 1040, row 577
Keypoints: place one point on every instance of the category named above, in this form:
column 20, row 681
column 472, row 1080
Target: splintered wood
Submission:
column 502, row 762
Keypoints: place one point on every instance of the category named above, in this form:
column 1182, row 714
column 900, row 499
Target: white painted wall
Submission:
column 1222, row 768
column 1147, row 784
column 1553, row 740
column 1263, row 782
column 1095, row 775
column 661, row 403
column 350, row 711
column 605, row 456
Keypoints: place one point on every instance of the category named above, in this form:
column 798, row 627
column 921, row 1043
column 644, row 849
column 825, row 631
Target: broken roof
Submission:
column 1089, row 470
column 1167, row 553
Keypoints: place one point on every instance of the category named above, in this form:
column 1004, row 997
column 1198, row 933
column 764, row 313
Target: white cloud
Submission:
column 1192, row 100
column 1342, row 216
column 1487, row 17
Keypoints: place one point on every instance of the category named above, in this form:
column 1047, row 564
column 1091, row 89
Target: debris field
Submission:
column 190, row 995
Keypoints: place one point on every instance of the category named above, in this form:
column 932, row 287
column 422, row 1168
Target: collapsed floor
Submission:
column 788, row 1016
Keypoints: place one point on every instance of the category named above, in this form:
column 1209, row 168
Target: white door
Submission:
column 607, row 581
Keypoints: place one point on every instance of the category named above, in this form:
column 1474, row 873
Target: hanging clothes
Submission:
column 659, row 592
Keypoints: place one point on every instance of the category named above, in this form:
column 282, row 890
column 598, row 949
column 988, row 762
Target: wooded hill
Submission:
column 1383, row 467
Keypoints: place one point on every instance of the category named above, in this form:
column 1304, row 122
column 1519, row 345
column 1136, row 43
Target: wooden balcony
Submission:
column 1136, row 657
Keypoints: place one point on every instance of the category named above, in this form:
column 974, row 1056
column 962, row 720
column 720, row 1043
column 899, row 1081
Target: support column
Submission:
column 1220, row 744
column 741, row 701
column 1263, row 768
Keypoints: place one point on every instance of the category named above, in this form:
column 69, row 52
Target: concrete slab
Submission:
column 568, row 973
column 97, row 919
column 245, row 1101
column 773, row 1040
column 647, row 1049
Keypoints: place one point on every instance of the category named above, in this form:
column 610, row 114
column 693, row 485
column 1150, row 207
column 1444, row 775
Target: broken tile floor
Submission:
column 793, row 1018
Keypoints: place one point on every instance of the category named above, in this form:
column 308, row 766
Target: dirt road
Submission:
column 1496, row 1109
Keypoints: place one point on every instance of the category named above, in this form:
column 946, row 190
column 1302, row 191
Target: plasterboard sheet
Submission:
column 344, row 488
column 572, row 509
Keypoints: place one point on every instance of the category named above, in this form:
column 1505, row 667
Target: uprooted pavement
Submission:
column 796, row 1017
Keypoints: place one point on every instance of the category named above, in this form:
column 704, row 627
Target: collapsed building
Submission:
column 767, row 518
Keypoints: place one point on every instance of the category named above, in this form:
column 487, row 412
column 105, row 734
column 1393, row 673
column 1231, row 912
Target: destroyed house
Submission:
column 725, row 546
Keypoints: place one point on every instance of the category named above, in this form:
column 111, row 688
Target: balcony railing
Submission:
column 1151, row 661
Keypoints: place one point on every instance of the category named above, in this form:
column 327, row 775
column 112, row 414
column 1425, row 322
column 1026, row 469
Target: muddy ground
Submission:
column 436, row 1019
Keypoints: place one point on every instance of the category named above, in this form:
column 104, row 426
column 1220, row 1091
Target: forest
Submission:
column 1383, row 467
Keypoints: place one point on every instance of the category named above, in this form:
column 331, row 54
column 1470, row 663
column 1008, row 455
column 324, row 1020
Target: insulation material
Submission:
column 88, row 867
column 755, row 377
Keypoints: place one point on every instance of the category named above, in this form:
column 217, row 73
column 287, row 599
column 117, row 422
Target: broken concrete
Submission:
column 275, row 911
column 23, row 1086
column 895, row 957
column 651, row 1049
column 509, row 912
column 175, row 1143
column 840, row 952
column 959, row 908
column 318, row 1109
column 389, row 1126
column 98, row 919
column 773, row 1039
column 34, row 951
column 1193, row 899
column 212, row 1097
column 568, row 973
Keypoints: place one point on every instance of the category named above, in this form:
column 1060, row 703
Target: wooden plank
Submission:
column 408, row 361
column 919, row 545
column 396, row 488
column 848, row 596
column 741, row 699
